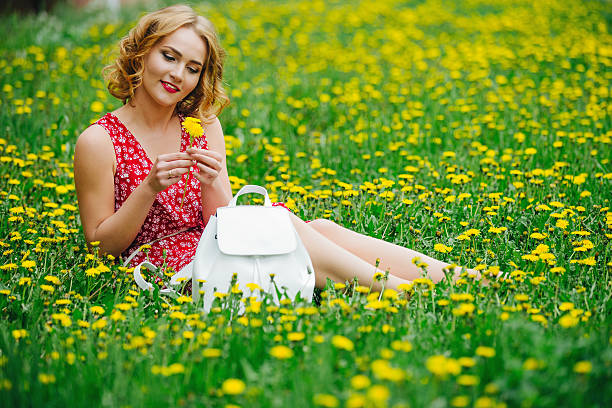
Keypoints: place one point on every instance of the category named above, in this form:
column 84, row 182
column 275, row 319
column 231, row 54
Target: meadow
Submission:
column 475, row 132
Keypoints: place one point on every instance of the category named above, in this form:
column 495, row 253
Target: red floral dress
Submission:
column 165, row 216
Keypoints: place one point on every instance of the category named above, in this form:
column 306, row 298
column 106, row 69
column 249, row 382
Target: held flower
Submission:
column 194, row 129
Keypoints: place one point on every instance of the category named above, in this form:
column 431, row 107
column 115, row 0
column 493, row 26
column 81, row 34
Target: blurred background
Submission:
column 38, row 6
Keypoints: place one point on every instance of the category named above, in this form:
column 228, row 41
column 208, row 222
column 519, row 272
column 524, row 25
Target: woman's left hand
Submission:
column 208, row 162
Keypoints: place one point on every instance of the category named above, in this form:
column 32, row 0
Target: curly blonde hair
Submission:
column 125, row 75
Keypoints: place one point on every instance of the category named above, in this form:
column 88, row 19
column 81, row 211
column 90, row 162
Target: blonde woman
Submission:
column 130, row 166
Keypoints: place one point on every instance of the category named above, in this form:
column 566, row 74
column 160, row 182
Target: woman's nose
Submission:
column 177, row 72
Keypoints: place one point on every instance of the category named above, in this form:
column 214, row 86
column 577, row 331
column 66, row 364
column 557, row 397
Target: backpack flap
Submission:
column 255, row 230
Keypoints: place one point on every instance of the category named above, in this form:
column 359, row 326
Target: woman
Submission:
column 130, row 166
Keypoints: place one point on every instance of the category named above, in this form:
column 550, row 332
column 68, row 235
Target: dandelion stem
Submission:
column 188, row 178
column 185, row 191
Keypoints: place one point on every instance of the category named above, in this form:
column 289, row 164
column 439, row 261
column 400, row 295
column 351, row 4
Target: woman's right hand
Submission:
column 167, row 170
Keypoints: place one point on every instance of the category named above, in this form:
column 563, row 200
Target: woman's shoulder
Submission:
column 94, row 134
column 94, row 140
column 212, row 127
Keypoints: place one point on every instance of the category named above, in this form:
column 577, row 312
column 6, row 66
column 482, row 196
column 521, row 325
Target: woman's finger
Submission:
column 206, row 174
column 210, row 161
column 207, row 170
column 166, row 165
column 205, row 152
column 176, row 172
column 173, row 156
column 168, row 169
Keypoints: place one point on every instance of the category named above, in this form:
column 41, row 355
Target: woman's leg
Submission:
column 332, row 261
column 396, row 259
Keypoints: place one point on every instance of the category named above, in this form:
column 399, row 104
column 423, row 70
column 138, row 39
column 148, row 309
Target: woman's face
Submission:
column 172, row 68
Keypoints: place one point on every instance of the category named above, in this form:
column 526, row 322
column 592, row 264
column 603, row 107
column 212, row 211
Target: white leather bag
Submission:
column 254, row 242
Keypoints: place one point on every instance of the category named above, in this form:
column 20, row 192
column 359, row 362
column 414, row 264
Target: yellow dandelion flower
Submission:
column 281, row 352
column 325, row 400
column 25, row 281
column 211, row 352
column 356, row 401
column 233, row 386
column 117, row 315
column 442, row 248
column 497, row 230
column 96, row 106
column 99, row 324
column 92, row 272
column 486, row 352
column 46, row 378
column 467, row 380
column 583, row 367
column 28, row 264
column 360, row 382
column 460, row 401
column 557, row 269
column 296, row 336
column 440, row 365
column 568, row 321
column 97, row 310
column 253, row 286
column 123, row 306
column 521, row 297
column 531, row 364
column 466, row 361
column 62, row 318
column 378, row 394
column 52, row 279
column 178, row 315
column 192, row 127
column 406, row 287
column 19, row 334
column 342, row 342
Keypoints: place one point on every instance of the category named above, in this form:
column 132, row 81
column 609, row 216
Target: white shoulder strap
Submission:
column 251, row 189
column 144, row 285
column 137, row 251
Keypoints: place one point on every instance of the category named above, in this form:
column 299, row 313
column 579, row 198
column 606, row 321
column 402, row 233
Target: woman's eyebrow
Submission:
column 177, row 52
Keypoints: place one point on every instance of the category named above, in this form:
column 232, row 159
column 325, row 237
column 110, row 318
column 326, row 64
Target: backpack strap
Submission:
column 143, row 284
column 137, row 251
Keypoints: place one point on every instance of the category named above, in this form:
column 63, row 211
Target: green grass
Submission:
column 416, row 122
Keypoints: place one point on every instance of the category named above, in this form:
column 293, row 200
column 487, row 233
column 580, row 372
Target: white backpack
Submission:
column 257, row 243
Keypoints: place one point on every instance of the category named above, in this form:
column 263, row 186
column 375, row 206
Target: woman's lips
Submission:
column 169, row 87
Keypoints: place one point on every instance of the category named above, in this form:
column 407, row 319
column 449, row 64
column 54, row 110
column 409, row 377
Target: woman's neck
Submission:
column 145, row 113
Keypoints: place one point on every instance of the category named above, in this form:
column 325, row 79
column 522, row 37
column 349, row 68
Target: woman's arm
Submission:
column 216, row 188
column 94, row 159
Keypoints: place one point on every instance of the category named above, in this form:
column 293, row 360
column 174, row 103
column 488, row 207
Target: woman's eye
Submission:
column 168, row 57
column 193, row 70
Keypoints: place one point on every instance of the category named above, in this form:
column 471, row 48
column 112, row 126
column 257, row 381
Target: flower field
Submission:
column 475, row 132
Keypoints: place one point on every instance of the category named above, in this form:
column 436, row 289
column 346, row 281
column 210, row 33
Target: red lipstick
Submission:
column 169, row 87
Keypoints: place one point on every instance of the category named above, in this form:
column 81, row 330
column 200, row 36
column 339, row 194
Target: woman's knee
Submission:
column 323, row 225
